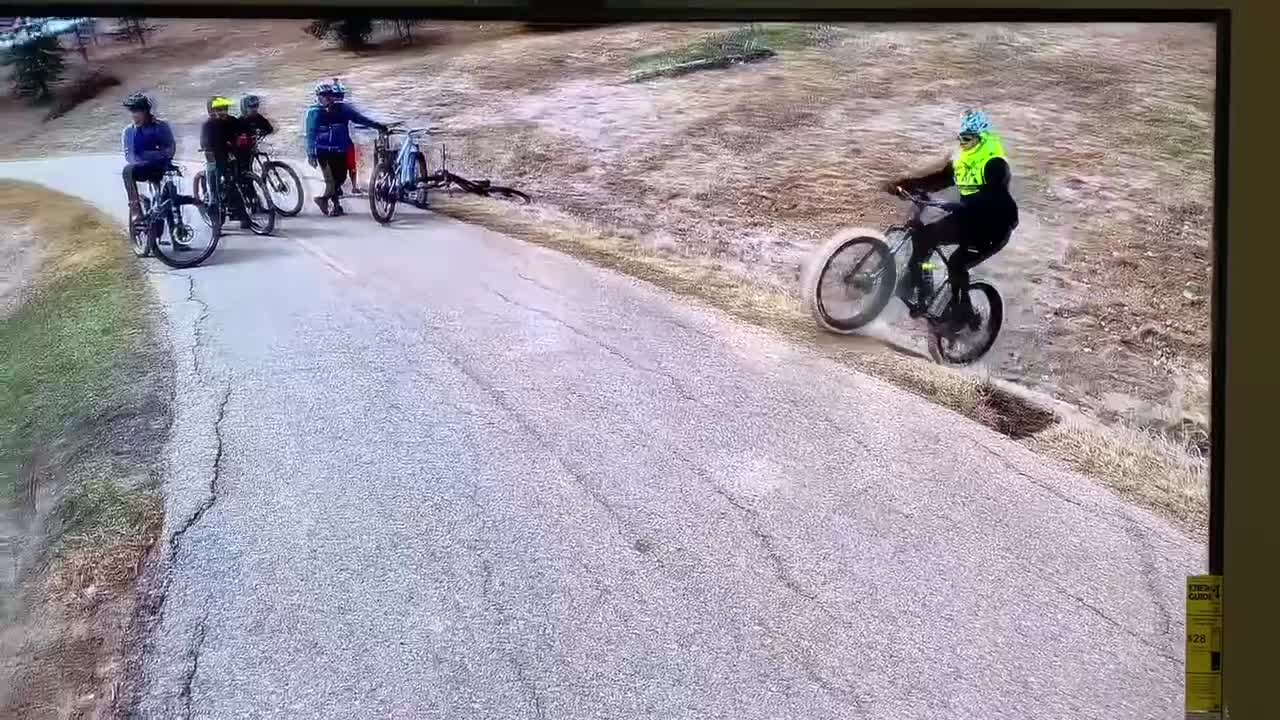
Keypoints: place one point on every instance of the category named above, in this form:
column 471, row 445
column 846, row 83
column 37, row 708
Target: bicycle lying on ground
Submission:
column 400, row 175
column 282, row 181
column 167, row 226
column 250, row 194
column 859, row 264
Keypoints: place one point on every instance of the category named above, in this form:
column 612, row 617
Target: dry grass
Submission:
column 83, row 411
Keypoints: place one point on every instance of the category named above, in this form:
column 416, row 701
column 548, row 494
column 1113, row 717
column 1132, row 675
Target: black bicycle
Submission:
column 853, row 277
column 282, row 181
column 400, row 175
column 167, row 226
column 248, row 194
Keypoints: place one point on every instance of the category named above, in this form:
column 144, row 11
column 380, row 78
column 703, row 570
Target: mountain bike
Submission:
column 859, row 264
column 167, row 226
column 400, row 175
column 249, row 194
column 282, row 181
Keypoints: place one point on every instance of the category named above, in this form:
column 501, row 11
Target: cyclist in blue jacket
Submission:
column 148, row 148
column 328, row 139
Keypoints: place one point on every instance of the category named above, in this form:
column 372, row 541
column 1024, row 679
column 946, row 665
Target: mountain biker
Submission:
column 220, row 140
column 328, row 128
column 256, row 123
column 980, row 224
column 148, row 148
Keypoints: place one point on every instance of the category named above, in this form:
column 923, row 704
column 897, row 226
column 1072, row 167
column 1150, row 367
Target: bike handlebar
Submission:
column 919, row 199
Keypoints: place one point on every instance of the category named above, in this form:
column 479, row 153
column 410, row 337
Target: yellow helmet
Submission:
column 220, row 103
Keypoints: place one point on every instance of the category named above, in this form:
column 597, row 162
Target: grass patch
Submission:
column 83, row 412
column 1143, row 467
column 712, row 51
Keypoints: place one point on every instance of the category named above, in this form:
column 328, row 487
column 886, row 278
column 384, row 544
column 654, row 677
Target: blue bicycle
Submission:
column 400, row 175
column 169, row 225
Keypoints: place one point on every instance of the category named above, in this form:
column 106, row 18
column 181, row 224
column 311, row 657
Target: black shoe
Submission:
column 337, row 211
column 323, row 204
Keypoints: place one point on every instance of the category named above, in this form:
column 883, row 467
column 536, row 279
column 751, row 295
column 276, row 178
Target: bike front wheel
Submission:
column 972, row 342
column 185, row 239
column 285, row 188
column 139, row 236
column 255, row 198
column 382, row 195
column 849, row 281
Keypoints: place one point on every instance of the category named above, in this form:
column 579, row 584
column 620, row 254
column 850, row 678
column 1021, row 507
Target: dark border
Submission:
column 589, row 12
column 1218, row 316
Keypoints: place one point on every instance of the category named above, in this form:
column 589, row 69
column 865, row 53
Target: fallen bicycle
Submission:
column 400, row 176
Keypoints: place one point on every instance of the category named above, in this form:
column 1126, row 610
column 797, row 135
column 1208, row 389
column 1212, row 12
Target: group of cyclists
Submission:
column 228, row 141
column 979, row 224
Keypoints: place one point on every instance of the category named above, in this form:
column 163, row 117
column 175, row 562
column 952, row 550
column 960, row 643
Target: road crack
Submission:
column 767, row 542
column 1047, row 487
column 513, row 658
column 193, row 665
column 1161, row 651
column 175, row 540
column 615, row 352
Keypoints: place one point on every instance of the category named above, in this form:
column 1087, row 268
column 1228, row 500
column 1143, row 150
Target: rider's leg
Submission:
column 131, row 190
column 213, row 186
column 924, row 241
column 334, row 165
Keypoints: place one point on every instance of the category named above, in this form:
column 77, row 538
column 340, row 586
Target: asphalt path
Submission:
column 430, row 471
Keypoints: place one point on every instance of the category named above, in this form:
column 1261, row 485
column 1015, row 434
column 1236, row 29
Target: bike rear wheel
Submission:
column 285, row 187
column 971, row 343
column 849, row 282
column 182, row 240
column 382, row 194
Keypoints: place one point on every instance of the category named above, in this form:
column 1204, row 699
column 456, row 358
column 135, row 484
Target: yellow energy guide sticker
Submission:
column 1204, row 647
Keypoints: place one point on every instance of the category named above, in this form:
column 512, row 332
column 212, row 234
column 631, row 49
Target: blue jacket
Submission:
column 329, row 130
column 151, row 143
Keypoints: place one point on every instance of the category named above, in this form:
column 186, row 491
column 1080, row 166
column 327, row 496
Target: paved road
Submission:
column 430, row 471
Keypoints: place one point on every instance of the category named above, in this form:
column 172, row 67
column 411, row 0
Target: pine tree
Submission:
column 37, row 65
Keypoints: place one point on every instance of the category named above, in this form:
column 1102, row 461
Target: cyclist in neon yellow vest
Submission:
column 980, row 224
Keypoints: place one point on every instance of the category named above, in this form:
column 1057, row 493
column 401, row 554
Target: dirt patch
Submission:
column 85, row 390
column 20, row 257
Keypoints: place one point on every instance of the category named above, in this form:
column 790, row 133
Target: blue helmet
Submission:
column 974, row 122
column 324, row 88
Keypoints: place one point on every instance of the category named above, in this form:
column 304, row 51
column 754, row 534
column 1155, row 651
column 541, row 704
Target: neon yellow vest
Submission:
column 968, row 165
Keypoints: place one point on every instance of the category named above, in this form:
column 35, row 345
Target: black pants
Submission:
column 976, row 242
column 135, row 173
column 334, row 167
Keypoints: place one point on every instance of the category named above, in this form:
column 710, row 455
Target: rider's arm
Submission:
column 356, row 117
column 126, row 142
column 266, row 127
column 313, row 118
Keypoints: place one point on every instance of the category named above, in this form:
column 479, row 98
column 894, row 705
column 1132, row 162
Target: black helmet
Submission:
column 138, row 102
column 249, row 102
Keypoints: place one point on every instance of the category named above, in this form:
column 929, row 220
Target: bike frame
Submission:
column 902, row 269
column 164, row 198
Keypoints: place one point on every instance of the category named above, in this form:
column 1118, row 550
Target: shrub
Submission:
column 350, row 33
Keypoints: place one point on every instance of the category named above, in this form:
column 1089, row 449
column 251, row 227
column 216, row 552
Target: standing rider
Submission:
column 253, row 120
column 148, row 149
column 219, row 137
column 328, row 140
column 980, row 224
